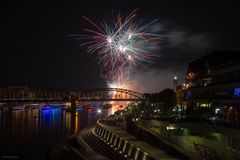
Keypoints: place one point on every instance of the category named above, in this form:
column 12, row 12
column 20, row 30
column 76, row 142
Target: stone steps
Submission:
column 122, row 146
column 99, row 146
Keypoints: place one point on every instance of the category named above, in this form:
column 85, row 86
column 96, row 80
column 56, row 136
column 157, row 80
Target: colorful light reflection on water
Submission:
column 30, row 133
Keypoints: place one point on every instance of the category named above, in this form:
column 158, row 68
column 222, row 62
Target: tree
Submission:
column 168, row 98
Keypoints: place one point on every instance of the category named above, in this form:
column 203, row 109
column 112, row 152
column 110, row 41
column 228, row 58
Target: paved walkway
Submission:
column 202, row 130
column 151, row 150
column 203, row 127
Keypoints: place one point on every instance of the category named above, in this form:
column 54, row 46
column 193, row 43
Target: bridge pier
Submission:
column 73, row 121
column 71, row 105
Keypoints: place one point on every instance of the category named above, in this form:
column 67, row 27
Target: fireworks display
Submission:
column 122, row 47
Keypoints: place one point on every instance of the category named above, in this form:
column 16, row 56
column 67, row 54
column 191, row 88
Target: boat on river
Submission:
column 18, row 107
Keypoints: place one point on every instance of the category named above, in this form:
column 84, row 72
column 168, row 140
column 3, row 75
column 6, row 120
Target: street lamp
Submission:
column 99, row 111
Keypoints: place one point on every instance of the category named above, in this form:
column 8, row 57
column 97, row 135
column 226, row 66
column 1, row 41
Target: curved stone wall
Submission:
column 119, row 144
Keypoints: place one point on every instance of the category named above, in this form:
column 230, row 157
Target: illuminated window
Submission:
column 204, row 105
column 236, row 92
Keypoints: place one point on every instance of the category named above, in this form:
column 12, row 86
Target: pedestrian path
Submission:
column 196, row 138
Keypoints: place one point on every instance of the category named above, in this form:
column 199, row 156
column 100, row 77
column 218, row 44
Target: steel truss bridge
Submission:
column 26, row 93
column 108, row 94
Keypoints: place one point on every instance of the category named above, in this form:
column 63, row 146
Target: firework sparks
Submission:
column 121, row 47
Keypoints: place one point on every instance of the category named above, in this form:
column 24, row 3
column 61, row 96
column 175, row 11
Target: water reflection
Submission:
column 30, row 132
column 72, row 122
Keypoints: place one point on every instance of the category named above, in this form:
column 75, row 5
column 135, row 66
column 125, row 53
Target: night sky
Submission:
column 36, row 47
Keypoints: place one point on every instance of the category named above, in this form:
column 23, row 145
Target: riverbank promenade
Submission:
column 196, row 140
column 116, row 140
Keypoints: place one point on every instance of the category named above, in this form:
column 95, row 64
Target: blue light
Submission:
column 188, row 95
column 51, row 116
column 46, row 112
column 236, row 92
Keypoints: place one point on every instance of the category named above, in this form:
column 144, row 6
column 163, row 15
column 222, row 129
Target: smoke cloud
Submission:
column 155, row 80
column 179, row 48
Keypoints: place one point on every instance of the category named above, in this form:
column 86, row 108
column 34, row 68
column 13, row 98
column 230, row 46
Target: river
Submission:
column 30, row 133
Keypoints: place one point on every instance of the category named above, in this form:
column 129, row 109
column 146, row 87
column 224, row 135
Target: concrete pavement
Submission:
column 154, row 152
